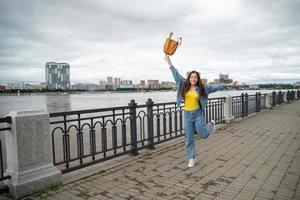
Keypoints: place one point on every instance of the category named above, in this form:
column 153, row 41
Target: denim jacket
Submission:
column 209, row 88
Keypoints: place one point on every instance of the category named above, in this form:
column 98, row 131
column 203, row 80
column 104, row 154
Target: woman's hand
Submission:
column 232, row 85
column 167, row 58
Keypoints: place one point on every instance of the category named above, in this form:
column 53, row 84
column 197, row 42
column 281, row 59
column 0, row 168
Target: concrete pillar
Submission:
column 228, row 110
column 285, row 97
column 268, row 100
column 29, row 154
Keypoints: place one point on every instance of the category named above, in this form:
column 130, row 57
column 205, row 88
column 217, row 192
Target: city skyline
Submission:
column 112, row 80
column 254, row 41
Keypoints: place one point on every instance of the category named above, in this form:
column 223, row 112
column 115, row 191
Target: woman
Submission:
column 194, row 94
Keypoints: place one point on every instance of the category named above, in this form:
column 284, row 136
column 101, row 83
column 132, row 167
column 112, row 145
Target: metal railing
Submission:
column 247, row 104
column 214, row 110
column 85, row 137
column 82, row 138
column 3, row 127
column 240, row 105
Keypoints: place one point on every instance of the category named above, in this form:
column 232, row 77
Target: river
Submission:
column 83, row 101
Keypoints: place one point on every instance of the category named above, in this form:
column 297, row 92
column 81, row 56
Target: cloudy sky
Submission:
column 254, row 41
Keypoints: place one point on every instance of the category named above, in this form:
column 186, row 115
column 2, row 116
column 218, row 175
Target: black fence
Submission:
column 215, row 110
column 82, row 138
column 86, row 137
column 247, row 104
column 4, row 126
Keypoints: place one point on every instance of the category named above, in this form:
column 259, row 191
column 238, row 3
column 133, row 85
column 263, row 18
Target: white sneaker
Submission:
column 213, row 123
column 191, row 162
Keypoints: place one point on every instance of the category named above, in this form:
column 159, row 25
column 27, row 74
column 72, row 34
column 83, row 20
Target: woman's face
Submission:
column 193, row 79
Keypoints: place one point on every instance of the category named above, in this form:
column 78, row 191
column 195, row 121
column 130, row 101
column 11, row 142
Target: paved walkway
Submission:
column 255, row 158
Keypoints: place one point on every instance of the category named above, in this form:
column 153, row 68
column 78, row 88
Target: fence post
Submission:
column 246, row 104
column 29, row 153
column 273, row 99
column 228, row 110
column 149, row 104
column 268, row 99
column 133, row 128
column 259, row 97
column 285, row 97
column 243, row 104
column 3, row 186
column 279, row 97
column 293, row 95
column 256, row 102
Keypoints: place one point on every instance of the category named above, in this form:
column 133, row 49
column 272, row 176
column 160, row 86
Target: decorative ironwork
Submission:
column 86, row 137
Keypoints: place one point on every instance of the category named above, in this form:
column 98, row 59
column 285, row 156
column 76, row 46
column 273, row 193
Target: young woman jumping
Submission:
column 194, row 94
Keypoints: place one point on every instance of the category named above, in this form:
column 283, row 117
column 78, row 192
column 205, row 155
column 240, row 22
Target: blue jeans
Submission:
column 195, row 122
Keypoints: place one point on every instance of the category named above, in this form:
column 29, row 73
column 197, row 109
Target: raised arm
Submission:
column 177, row 77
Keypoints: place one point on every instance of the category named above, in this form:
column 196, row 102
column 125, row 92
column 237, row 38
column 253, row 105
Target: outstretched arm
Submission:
column 210, row 88
column 177, row 77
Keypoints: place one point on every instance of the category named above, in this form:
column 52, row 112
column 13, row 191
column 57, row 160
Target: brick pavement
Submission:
column 255, row 158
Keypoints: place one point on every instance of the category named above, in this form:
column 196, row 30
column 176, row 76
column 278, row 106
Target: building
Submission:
column 153, row 84
column 109, row 80
column 15, row 86
column 142, row 84
column 224, row 78
column 126, row 82
column 39, row 86
column 2, row 87
column 57, row 75
column 297, row 85
column 87, row 87
column 167, row 84
column 117, row 82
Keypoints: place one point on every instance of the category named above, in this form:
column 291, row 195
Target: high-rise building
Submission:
column 109, row 80
column 224, row 78
column 117, row 82
column 57, row 75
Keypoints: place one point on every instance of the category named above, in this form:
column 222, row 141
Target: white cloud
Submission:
column 124, row 38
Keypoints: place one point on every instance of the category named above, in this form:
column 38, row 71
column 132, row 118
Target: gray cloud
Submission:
column 124, row 38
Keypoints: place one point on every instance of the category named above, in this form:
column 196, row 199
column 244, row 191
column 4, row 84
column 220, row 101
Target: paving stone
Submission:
column 254, row 158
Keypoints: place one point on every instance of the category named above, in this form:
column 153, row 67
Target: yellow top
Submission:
column 191, row 101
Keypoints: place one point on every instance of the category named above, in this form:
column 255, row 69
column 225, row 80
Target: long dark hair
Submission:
column 187, row 84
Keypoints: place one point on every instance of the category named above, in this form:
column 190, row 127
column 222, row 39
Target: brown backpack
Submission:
column 171, row 45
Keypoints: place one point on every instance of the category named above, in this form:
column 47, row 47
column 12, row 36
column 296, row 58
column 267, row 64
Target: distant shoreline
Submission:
column 81, row 92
